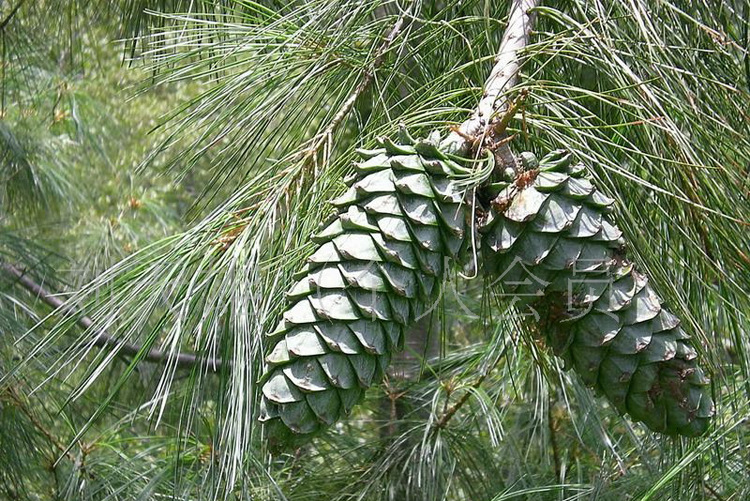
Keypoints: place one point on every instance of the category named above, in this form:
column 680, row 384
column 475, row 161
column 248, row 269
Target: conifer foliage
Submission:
column 176, row 322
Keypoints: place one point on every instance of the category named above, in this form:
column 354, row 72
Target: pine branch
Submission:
column 448, row 414
column 11, row 14
column 19, row 404
column 490, row 119
column 451, row 411
column 487, row 121
column 368, row 76
column 552, row 424
column 104, row 339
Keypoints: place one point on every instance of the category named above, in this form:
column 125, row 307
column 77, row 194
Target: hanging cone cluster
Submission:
column 378, row 266
column 551, row 244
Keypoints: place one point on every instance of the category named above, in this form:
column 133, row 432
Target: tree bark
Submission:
column 503, row 77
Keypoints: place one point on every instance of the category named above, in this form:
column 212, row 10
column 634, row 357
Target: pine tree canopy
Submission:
column 372, row 250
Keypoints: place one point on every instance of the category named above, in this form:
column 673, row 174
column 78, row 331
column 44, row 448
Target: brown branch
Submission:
column 104, row 339
column 552, row 424
column 712, row 491
column 18, row 403
column 447, row 415
column 483, row 122
column 11, row 14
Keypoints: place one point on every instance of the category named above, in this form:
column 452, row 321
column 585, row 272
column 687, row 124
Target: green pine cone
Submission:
column 378, row 266
column 549, row 240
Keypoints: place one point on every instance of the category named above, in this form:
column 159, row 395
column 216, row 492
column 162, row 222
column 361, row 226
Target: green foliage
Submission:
column 175, row 195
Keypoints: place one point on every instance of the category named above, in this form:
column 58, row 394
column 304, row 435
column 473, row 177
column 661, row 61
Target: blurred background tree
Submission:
column 163, row 163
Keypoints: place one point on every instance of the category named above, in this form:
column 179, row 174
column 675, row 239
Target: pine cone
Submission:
column 551, row 243
column 378, row 266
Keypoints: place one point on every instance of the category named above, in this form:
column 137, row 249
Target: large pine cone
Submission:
column 551, row 244
column 378, row 266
